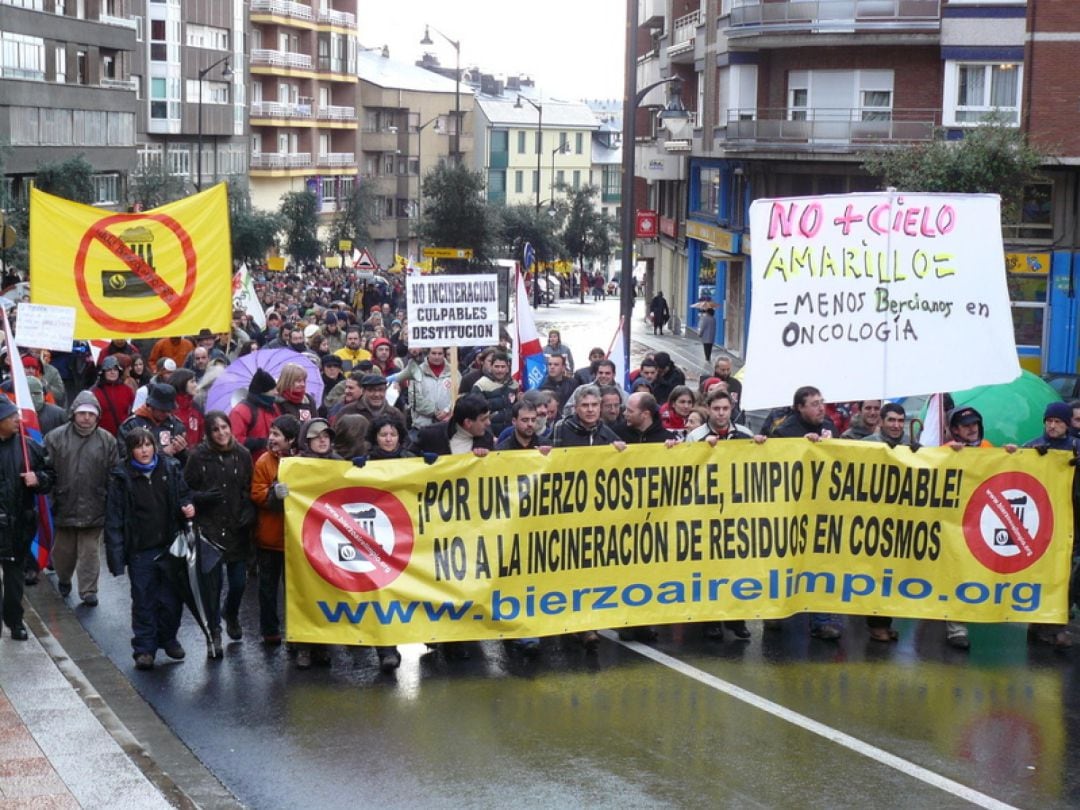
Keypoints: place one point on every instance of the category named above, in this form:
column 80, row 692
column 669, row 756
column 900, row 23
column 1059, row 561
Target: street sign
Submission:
column 447, row 253
column 366, row 261
column 645, row 225
column 344, row 245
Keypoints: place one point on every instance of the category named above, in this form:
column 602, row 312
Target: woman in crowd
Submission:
column 219, row 474
column 556, row 346
column 251, row 418
column 674, row 412
column 268, row 495
column 138, row 374
column 147, row 502
column 114, row 397
column 183, row 380
column 351, row 431
column 292, row 388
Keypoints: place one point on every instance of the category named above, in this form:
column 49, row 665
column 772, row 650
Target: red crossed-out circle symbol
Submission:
column 358, row 539
column 176, row 302
column 1008, row 522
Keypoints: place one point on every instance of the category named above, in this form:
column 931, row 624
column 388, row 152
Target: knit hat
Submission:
column 37, row 392
column 109, row 363
column 31, row 362
column 710, row 381
column 1058, row 410
column 289, row 426
column 330, row 318
column 261, row 382
column 7, row 408
column 86, row 402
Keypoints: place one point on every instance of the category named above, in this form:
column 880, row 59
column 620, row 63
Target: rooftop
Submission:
column 373, row 67
column 502, row 111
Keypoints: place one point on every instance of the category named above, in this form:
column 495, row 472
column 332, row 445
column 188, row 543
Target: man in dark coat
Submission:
column 19, row 487
column 467, row 431
column 658, row 308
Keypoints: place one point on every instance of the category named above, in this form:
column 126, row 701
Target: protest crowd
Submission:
column 134, row 447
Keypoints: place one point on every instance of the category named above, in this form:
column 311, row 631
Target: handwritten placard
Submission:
column 878, row 295
column 41, row 326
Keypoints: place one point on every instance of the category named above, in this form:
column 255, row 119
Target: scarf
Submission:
column 145, row 469
column 295, row 397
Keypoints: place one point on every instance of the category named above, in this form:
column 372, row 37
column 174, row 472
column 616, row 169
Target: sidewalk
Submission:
column 54, row 751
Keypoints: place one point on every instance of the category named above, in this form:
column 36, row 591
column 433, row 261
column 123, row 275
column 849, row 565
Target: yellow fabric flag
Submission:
column 150, row 274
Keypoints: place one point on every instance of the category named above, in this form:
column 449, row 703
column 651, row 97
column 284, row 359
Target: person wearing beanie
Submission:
column 184, row 383
column 332, row 331
column 115, row 398
column 157, row 416
column 269, row 495
column 82, row 454
column 251, row 419
column 49, row 415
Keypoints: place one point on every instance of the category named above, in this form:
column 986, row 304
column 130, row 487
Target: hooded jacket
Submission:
column 429, row 393
column 82, row 464
column 163, row 431
column 115, row 400
column 220, row 482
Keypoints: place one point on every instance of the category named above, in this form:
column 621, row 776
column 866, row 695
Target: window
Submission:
column 388, row 164
column 560, row 177
column 81, row 66
column 1036, row 214
column 90, row 127
column 106, row 189
column 975, row 92
column 159, row 105
column 579, row 143
column 23, row 57
column 707, row 199
column 564, row 141
column 535, row 182
column 179, row 159
column 577, row 178
column 159, row 49
column 121, row 129
column 24, row 126
column 212, row 92
column 206, row 36
column 843, row 96
column 519, row 182
column 36, row 5
column 521, row 142
column 55, row 127
column 60, row 63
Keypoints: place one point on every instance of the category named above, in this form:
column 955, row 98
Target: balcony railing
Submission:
column 336, row 159
column 836, row 14
column 330, row 112
column 682, row 33
column 118, row 84
column 280, row 160
column 858, row 128
column 287, row 59
column 276, row 109
column 283, row 8
column 334, row 17
column 123, row 22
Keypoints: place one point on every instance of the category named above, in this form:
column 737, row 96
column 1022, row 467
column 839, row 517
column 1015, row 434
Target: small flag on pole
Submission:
column 527, row 345
column 617, row 355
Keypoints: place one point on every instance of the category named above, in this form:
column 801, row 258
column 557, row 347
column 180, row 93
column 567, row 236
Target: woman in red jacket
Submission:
column 113, row 395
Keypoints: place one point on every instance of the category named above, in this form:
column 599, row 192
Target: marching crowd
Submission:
column 131, row 453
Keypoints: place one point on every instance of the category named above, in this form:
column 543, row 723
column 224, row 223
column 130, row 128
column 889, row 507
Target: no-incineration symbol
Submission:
column 358, row 539
column 1008, row 523
column 132, row 272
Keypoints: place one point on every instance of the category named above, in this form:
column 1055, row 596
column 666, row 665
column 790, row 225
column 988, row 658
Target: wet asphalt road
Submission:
column 616, row 729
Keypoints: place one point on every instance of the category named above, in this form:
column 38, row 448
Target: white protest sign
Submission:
column 453, row 310
column 869, row 296
column 40, row 326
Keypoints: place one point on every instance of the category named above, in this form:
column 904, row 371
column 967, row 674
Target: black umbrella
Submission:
column 199, row 556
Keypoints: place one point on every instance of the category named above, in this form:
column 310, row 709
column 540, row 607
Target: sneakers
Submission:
column 144, row 661
column 1058, row 639
column 175, row 651
column 739, row 629
column 303, row 658
column 90, row 600
column 233, row 628
column 883, row 634
column 30, row 578
column 826, row 632
column 64, row 589
column 389, row 659
column 958, row 641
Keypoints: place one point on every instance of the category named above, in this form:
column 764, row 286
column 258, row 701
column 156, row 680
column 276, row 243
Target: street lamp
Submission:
column 420, row 176
column 561, row 149
column 427, row 40
column 539, row 154
column 225, row 74
column 632, row 98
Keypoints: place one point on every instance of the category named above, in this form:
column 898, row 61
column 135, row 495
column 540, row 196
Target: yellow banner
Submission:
column 162, row 272
column 520, row 544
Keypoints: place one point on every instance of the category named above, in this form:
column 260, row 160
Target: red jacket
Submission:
column 115, row 401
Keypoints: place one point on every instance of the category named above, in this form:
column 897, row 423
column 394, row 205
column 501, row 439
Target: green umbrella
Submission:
column 1012, row 412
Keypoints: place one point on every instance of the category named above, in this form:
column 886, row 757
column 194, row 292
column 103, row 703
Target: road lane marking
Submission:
column 813, row 726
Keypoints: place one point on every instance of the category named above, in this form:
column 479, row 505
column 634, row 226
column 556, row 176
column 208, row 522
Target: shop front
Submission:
column 717, row 272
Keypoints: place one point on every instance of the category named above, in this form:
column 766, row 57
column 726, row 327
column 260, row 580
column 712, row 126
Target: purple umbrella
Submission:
column 231, row 387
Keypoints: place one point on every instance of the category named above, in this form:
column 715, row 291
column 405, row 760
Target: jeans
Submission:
column 156, row 605
column 271, row 575
column 235, row 573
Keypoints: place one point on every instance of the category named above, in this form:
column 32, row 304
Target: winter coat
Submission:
column 116, row 400
column 188, row 415
column 162, row 431
column 82, row 465
column 250, row 421
column 270, row 524
column 220, row 482
column 429, row 393
column 18, row 515
column 701, row 433
column 655, row 434
column 51, row 417
column 121, row 533
column 667, row 381
column 304, row 410
column 570, row 432
column 794, row 427
column 707, row 327
column 436, row 439
column 500, row 398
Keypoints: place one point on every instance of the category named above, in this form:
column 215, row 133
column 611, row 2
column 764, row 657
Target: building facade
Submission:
column 302, row 97
column 787, row 97
column 67, row 89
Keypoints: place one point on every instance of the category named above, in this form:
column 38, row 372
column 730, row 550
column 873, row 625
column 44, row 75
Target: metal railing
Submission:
column 337, row 159
column 123, row 22
column 853, row 126
column 801, row 14
column 332, row 112
column 285, row 8
column 684, row 29
column 118, row 84
column 265, row 56
column 335, row 17
column 280, row 160
column 276, row 109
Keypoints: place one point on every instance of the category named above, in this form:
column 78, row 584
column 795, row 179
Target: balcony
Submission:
column 118, row 84
column 682, row 37
column 331, row 112
column 336, row 160
column 380, row 141
column 832, row 129
column 123, row 22
column 282, row 59
column 340, row 18
column 280, row 160
column 283, row 8
column 833, row 16
column 276, row 109
column 651, row 13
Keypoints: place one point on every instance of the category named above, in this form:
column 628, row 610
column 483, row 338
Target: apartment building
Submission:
column 189, row 73
column 66, row 89
column 407, row 126
column 787, row 96
column 302, row 96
